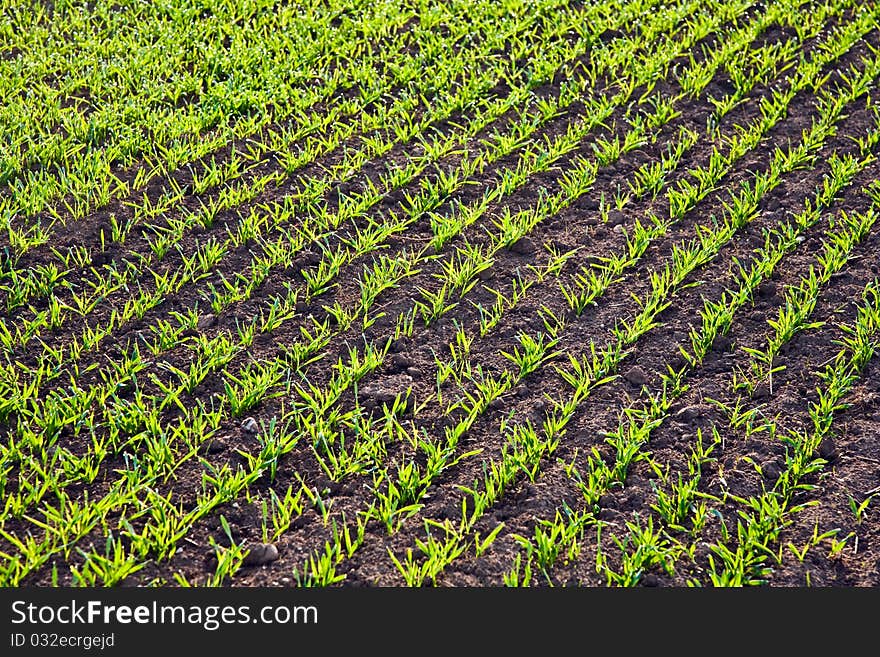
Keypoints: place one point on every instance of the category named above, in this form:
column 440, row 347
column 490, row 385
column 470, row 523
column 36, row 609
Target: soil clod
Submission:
column 650, row 581
column 616, row 218
column 524, row 246
column 496, row 404
column 636, row 375
column 400, row 344
column 827, row 449
column 206, row 321
column 399, row 362
column 761, row 391
column 212, row 446
column 771, row 471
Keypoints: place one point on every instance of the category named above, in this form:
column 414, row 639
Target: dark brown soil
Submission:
column 741, row 466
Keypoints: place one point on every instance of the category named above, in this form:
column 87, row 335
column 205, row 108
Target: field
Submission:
column 470, row 293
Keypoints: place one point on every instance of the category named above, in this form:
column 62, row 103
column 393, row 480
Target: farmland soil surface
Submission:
column 595, row 303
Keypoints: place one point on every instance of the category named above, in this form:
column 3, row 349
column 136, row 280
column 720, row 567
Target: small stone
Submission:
column 636, row 376
column 249, row 425
column 827, row 449
column 618, row 229
column 399, row 362
column 260, row 555
column 414, row 372
column 616, row 218
column 524, row 246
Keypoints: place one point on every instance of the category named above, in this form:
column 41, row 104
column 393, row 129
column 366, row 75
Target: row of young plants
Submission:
column 73, row 163
column 399, row 492
column 530, row 154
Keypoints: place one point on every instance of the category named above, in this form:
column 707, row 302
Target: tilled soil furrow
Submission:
column 847, row 488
